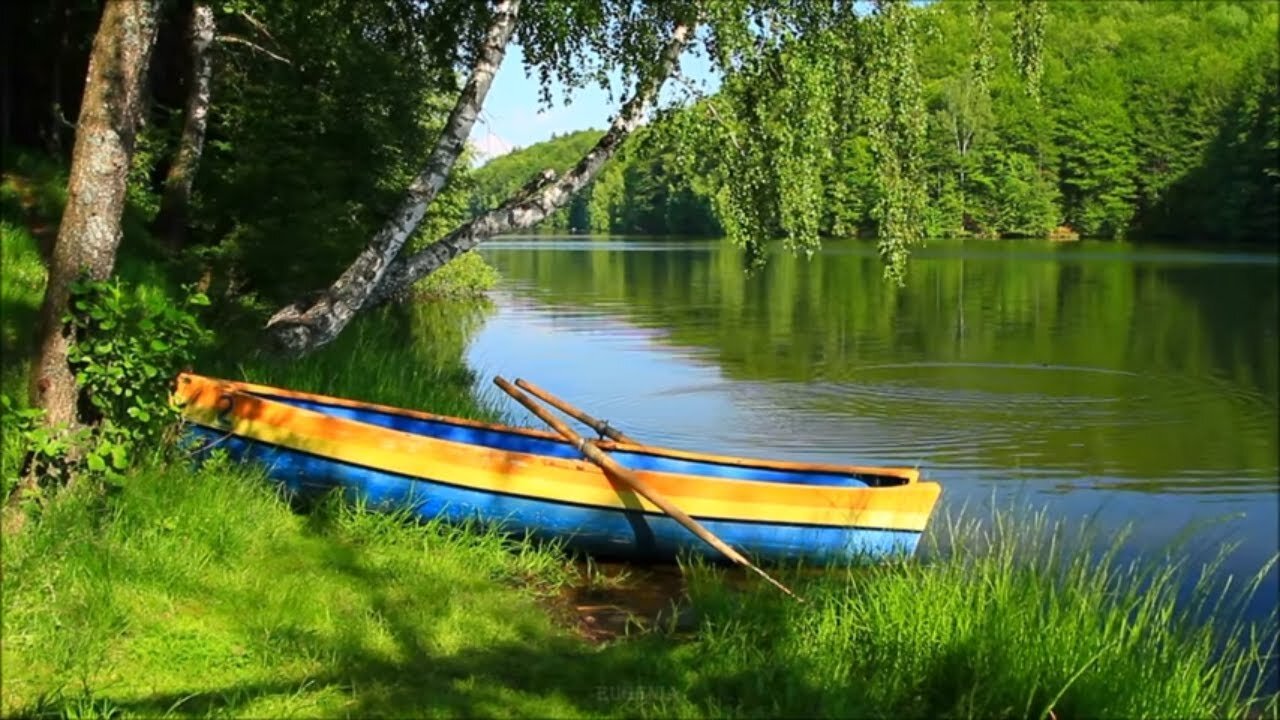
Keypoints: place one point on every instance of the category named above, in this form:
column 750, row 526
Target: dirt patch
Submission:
column 613, row 601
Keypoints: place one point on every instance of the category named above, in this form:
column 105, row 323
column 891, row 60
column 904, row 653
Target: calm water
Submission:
column 1136, row 384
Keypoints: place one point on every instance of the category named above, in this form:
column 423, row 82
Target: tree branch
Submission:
column 257, row 24
column 223, row 37
column 542, row 197
column 298, row 329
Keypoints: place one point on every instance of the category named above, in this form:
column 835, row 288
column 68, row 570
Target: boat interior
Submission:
column 520, row 440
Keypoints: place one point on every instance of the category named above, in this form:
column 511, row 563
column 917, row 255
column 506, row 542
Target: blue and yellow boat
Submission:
column 538, row 483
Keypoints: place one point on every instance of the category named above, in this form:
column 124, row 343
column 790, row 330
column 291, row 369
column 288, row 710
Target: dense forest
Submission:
column 286, row 165
column 1156, row 120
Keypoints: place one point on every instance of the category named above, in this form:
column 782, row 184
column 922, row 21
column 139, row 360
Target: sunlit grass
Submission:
column 1013, row 618
column 21, row 289
column 404, row 356
column 190, row 591
column 202, row 593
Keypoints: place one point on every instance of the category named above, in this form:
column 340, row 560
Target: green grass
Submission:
column 1020, row 619
column 21, row 290
column 200, row 592
column 403, row 356
column 191, row 592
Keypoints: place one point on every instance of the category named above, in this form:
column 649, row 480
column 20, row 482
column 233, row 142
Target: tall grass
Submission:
column 406, row 356
column 1017, row 619
column 200, row 593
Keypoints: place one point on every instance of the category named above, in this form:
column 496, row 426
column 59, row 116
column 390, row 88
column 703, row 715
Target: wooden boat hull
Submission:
column 535, row 483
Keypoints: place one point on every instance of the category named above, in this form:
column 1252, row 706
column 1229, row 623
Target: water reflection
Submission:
column 1127, row 385
column 1053, row 361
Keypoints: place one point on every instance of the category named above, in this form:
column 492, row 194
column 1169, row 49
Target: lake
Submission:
column 1130, row 384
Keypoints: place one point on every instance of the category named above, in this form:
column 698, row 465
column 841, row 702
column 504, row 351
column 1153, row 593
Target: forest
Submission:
column 1157, row 121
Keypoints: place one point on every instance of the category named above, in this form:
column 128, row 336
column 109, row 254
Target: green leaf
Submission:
column 96, row 463
column 119, row 457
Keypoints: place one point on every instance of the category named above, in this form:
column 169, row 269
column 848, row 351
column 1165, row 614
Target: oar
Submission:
column 605, row 461
column 601, row 426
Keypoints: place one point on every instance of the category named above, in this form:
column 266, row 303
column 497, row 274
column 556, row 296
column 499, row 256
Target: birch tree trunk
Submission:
column 90, row 230
column 176, row 201
column 299, row 328
column 544, row 195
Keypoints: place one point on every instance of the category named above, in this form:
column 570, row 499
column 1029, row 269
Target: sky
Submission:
column 512, row 118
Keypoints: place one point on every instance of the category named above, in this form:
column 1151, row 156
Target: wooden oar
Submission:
column 601, row 426
column 605, row 461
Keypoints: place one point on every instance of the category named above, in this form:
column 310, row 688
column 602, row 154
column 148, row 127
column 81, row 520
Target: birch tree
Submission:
column 792, row 72
column 298, row 328
column 176, row 200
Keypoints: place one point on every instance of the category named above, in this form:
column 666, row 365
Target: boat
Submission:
column 538, row 483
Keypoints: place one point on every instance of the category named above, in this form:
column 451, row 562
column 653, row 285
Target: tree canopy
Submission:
column 1161, row 125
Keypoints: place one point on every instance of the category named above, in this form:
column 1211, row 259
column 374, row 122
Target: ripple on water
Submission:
column 987, row 417
column 996, row 419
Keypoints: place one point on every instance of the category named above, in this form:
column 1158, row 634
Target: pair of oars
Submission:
column 614, row 469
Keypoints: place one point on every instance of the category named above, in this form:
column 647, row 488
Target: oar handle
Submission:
column 601, row 426
column 611, row 466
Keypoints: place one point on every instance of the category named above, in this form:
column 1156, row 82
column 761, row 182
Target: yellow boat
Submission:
column 537, row 482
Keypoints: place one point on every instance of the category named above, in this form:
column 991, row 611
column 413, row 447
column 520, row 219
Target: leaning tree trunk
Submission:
column 175, row 204
column 90, row 230
column 542, row 196
column 299, row 328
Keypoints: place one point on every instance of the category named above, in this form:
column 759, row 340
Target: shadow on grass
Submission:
column 17, row 337
column 532, row 674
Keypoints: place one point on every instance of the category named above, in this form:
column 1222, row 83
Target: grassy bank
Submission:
column 183, row 591
column 202, row 594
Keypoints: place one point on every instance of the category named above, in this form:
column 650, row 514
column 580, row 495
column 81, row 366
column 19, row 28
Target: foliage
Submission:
column 468, row 276
column 892, row 108
column 1122, row 138
column 306, row 160
column 129, row 347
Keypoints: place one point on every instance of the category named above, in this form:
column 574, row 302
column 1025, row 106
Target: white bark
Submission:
column 542, row 197
column 298, row 328
column 177, row 185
